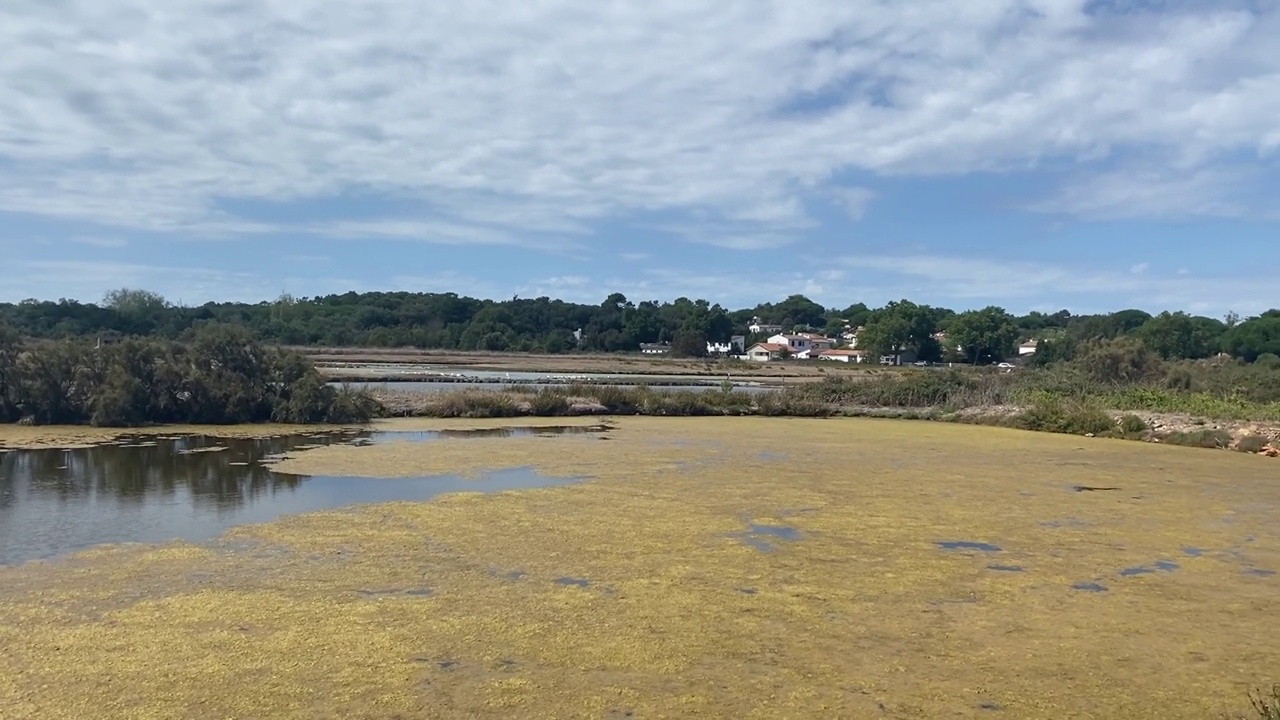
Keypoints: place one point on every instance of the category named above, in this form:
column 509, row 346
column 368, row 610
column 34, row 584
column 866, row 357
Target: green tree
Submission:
column 799, row 310
column 1179, row 336
column 899, row 326
column 1254, row 337
column 10, row 346
column 986, row 335
column 689, row 344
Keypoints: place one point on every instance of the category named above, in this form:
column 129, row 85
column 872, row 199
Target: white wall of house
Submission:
column 760, row 354
column 794, row 343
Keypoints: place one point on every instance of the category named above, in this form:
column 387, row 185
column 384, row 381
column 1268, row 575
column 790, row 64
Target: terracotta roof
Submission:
column 771, row 347
column 852, row 353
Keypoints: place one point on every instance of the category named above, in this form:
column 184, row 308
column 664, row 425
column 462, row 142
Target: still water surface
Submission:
column 148, row 489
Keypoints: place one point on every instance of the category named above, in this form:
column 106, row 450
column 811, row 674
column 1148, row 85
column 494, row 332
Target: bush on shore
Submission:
column 223, row 376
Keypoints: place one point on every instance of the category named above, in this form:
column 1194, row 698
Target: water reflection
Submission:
column 142, row 489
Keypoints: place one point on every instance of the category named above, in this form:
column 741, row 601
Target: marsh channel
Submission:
column 149, row 489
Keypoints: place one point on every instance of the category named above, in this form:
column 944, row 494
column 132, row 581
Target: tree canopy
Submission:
column 983, row 336
column 618, row 323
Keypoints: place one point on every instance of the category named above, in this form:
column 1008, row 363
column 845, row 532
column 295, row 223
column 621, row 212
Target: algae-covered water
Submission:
column 713, row 567
column 150, row 489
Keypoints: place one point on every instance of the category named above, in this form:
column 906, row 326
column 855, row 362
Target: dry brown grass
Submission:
column 863, row 616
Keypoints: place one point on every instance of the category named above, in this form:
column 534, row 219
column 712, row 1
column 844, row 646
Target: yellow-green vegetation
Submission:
column 34, row 437
column 643, row 590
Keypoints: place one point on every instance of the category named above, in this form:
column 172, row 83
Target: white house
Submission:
column 756, row 327
column 794, row 343
column 850, row 336
column 819, row 342
column 801, row 344
column 844, row 356
column 764, row 352
column 735, row 346
column 1028, row 348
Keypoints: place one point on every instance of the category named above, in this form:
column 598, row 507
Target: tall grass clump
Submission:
column 1050, row 413
column 1203, row 438
column 1263, row 705
column 472, row 404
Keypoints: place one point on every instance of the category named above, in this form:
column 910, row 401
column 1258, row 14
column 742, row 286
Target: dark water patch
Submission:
column 1091, row 488
column 990, row 706
column 967, row 545
column 1006, row 568
column 54, row 502
column 1259, row 572
column 576, row 582
column 762, row 537
column 1158, row 566
column 1193, row 551
column 447, row 664
column 1065, row 523
column 748, row 590
column 1092, row 587
column 391, row 592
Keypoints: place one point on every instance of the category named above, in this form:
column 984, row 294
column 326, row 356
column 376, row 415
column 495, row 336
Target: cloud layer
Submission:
column 509, row 122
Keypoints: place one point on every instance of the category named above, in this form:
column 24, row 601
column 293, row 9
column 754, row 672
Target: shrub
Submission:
column 1121, row 360
column 1131, row 424
column 1252, row 444
column 1053, row 414
column 548, row 403
column 1264, row 706
column 1206, row 438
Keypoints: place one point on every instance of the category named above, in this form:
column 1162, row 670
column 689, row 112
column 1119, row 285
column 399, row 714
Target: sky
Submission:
column 1034, row 154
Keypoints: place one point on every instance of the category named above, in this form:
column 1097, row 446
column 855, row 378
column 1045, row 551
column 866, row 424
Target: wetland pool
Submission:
column 146, row 489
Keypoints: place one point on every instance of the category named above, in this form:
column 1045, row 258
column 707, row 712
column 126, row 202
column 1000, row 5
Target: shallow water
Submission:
column 148, row 489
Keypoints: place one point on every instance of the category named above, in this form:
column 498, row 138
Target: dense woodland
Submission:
column 450, row 321
column 223, row 375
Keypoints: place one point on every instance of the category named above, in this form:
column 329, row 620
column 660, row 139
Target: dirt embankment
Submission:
column 333, row 359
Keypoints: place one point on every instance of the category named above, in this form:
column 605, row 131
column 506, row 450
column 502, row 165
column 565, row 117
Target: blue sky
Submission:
column 1037, row 154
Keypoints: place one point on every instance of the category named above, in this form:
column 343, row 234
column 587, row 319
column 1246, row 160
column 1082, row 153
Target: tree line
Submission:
column 223, row 375
column 453, row 322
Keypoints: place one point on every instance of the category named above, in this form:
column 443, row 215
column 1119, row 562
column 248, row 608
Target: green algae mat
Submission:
column 710, row 567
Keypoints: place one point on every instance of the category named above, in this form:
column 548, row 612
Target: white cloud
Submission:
column 976, row 282
column 93, row 279
column 1139, row 268
column 1166, row 193
column 100, row 241
column 495, row 119
column 854, row 201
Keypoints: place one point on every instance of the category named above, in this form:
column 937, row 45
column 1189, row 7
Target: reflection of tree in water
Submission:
column 141, row 469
